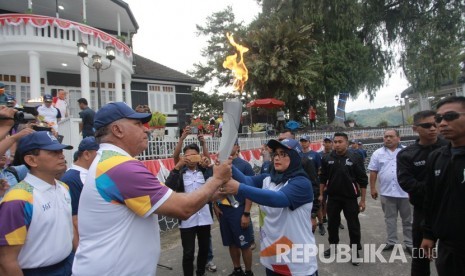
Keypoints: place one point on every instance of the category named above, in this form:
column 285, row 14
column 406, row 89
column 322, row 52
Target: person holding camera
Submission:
column 189, row 174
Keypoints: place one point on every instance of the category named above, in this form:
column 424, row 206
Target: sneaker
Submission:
column 210, row 266
column 248, row 273
column 237, row 272
column 341, row 226
column 321, row 229
column 388, row 247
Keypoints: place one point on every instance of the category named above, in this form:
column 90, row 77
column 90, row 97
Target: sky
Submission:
column 167, row 35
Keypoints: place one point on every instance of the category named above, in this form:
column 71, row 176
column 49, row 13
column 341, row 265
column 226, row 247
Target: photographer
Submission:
column 189, row 174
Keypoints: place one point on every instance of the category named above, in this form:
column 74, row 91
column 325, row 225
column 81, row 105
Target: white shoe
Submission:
column 211, row 266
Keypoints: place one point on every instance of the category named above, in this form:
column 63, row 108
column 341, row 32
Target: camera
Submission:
column 25, row 114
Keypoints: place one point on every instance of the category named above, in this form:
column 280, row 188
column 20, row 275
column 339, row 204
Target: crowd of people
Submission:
column 99, row 215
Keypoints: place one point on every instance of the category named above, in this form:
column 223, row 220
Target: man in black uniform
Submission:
column 411, row 173
column 445, row 189
column 344, row 177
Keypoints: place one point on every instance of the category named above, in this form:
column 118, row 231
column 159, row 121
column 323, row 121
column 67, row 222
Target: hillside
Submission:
column 372, row 117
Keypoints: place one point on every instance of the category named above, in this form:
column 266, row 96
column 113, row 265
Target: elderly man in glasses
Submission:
column 411, row 175
column 445, row 189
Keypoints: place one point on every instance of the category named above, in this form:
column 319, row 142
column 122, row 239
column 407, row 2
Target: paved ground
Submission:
column 373, row 231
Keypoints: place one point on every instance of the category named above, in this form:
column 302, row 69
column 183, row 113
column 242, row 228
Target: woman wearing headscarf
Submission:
column 285, row 197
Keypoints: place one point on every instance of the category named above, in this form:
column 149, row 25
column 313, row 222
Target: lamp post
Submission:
column 401, row 111
column 96, row 64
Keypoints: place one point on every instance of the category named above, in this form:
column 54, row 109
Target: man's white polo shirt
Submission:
column 37, row 216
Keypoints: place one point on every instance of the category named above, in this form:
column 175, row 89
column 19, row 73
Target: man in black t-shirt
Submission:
column 87, row 116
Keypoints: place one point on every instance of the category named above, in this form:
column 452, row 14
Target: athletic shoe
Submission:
column 210, row 266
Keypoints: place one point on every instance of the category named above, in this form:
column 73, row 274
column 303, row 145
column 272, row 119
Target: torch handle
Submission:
column 232, row 200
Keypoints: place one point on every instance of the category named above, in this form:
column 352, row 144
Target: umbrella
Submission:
column 266, row 103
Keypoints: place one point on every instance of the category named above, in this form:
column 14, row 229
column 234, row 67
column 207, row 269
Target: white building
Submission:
column 38, row 55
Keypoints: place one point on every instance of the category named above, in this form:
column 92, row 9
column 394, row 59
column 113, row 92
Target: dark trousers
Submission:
column 349, row 206
column 450, row 260
column 62, row 268
column 188, row 246
column 420, row 264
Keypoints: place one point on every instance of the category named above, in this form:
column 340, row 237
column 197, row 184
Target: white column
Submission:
column 29, row 5
column 85, row 83
column 118, row 85
column 34, row 73
column 463, row 91
column 84, row 11
column 119, row 24
column 127, row 90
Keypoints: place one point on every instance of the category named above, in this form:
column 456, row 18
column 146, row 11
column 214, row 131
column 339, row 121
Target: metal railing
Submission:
column 159, row 149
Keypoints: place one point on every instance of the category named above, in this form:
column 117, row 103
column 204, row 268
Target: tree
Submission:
column 206, row 105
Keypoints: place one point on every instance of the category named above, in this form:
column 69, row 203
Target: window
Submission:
column 161, row 98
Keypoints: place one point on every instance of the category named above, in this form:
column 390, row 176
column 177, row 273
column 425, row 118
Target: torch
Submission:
column 232, row 108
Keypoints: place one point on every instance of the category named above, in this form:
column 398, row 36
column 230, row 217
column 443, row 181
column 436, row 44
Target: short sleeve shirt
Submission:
column 384, row 161
column 121, row 194
column 26, row 210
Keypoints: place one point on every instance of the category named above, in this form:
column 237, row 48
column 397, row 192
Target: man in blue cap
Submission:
column 121, row 199
column 75, row 177
column 37, row 232
column 50, row 113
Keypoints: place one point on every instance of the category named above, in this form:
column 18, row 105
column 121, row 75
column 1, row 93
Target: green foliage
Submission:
column 258, row 127
column 158, row 119
column 383, row 123
column 320, row 48
column 206, row 104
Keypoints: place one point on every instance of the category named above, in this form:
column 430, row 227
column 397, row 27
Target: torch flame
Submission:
column 239, row 69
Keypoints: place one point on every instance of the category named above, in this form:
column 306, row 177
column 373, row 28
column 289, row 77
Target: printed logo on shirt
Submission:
column 46, row 206
column 437, row 172
column 331, row 162
column 419, row 163
column 348, row 162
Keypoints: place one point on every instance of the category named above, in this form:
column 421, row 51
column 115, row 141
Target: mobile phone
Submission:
column 195, row 158
column 194, row 130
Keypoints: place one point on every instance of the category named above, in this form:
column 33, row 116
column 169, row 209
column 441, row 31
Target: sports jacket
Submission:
column 411, row 170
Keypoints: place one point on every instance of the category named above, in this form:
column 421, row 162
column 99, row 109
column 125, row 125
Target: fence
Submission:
column 159, row 149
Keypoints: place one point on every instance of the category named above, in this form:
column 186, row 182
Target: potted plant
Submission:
column 157, row 123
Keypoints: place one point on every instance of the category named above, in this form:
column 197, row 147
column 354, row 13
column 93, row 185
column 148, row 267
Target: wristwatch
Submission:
column 247, row 214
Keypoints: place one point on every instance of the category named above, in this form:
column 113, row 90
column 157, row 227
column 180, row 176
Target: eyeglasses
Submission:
column 427, row 125
column 448, row 116
column 281, row 154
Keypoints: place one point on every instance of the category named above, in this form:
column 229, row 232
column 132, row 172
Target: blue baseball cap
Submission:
column 305, row 138
column 88, row 143
column 48, row 98
column 289, row 144
column 327, row 138
column 2, row 85
column 40, row 140
column 115, row 111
